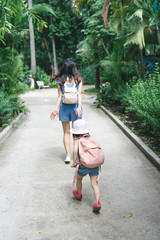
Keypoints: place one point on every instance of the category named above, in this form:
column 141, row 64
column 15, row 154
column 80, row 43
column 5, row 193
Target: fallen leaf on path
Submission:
column 128, row 215
column 76, row 207
column 42, row 231
column 79, row 203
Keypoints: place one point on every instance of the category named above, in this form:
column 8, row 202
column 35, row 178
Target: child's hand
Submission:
column 54, row 114
column 74, row 165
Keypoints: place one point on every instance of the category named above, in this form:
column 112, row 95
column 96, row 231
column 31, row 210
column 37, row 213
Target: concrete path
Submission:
column 36, row 201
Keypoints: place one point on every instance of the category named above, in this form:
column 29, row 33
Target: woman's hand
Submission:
column 79, row 112
column 54, row 114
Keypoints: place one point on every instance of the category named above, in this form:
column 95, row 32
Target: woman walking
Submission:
column 68, row 105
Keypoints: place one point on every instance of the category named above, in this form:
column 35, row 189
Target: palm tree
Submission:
column 142, row 20
column 32, row 42
column 131, row 19
column 35, row 9
column 53, row 48
column 12, row 29
column 141, row 17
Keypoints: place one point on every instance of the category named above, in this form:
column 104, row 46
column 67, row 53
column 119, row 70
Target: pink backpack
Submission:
column 91, row 154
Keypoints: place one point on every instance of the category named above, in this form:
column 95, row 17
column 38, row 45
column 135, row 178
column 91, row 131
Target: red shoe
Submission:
column 96, row 206
column 78, row 196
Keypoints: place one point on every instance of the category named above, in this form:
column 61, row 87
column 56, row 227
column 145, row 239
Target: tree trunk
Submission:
column 122, row 27
column 54, row 56
column 153, row 52
column 54, row 48
column 158, row 33
column 141, row 61
column 105, row 12
column 49, row 55
column 97, row 77
column 32, row 42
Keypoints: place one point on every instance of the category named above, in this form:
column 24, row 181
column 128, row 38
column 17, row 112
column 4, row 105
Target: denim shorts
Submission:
column 67, row 112
column 83, row 171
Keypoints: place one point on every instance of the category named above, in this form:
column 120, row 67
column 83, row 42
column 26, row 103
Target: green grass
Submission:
column 91, row 90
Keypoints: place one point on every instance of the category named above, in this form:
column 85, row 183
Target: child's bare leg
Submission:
column 94, row 184
column 79, row 184
column 75, row 150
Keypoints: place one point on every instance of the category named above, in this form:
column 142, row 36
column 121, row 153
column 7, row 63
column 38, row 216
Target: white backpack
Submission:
column 70, row 95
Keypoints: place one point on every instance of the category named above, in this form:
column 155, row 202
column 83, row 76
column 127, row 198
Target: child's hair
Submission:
column 68, row 69
column 79, row 135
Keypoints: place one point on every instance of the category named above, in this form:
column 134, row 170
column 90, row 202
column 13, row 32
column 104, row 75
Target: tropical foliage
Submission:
column 13, row 33
column 117, row 48
column 142, row 101
column 66, row 28
column 10, row 107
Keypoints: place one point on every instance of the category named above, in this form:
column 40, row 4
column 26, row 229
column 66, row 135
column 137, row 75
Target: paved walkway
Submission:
column 36, row 201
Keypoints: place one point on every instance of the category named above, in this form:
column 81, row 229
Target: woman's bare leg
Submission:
column 66, row 136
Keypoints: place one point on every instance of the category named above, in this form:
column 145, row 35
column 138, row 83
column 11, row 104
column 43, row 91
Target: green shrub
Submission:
column 104, row 96
column 42, row 76
column 11, row 65
column 88, row 76
column 5, row 108
column 142, row 100
column 24, row 74
column 109, row 96
column 92, row 90
column 10, row 107
column 21, row 88
column 17, row 105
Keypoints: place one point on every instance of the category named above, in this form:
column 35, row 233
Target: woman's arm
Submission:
column 56, row 110
column 78, row 110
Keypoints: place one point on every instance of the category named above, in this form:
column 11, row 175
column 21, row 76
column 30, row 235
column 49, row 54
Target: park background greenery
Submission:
column 107, row 40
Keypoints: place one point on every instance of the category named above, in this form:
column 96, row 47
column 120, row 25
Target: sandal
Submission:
column 97, row 206
column 78, row 196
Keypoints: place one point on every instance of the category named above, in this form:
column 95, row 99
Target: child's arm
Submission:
column 75, row 151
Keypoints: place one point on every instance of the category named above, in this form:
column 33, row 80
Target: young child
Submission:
column 79, row 129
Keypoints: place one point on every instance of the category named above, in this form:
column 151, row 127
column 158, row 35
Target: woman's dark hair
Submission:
column 69, row 70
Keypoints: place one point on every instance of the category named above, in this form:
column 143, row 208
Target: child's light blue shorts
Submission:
column 83, row 171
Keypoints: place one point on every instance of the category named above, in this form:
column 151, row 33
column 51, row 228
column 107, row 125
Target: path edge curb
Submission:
column 136, row 140
column 4, row 134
